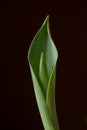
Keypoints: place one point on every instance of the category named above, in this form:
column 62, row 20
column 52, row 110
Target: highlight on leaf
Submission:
column 42, row 58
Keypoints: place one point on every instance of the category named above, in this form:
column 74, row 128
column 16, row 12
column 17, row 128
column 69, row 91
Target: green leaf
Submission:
column 42, row 58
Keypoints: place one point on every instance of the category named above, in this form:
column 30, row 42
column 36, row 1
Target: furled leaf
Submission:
column 42, row 57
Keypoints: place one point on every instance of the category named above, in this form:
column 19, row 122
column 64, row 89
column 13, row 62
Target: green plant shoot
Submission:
column 42, row 58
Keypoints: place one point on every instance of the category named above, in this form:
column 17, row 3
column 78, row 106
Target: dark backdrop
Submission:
column 18, row 108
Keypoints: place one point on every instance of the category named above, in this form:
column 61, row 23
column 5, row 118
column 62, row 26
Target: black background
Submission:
column 68, row 23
